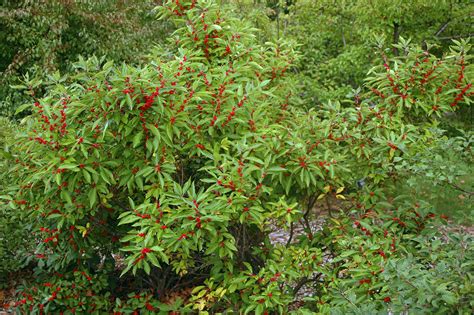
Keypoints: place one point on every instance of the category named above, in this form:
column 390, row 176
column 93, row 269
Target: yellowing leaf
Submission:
column 225, row 144
column 197, row 289
column 335, row 221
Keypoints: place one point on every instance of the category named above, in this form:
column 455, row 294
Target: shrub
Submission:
column 397, row 258
column 14, row 242
column 148, row 155
column 185, row 165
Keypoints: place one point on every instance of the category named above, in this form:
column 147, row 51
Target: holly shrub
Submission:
column 177, row 172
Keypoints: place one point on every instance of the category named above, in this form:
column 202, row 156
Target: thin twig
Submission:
column 470, row 193
column 456, row 36
column 118, row 203
column 347, row 299
column 309, row 206
column 329, row 207
column 396, row 37
column 304, row 281
column 442, row 28
column 291, row 235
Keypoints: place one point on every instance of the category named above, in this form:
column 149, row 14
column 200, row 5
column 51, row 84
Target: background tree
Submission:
column 40, row 38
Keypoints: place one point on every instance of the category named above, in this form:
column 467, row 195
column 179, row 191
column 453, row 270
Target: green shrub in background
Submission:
column 395, row 258
column 15, row 237
column 442, row 174
column 340, row 41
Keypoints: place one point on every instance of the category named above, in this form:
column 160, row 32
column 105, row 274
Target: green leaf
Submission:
column 68, row 166
column 66, row 196
column 152, row 258
column 129, row 101
column 54, row 215
column 264, row 83
column 87, row 176
column 169, row 132
column 58, row 179
column 18, row 87
column 22, row 108
column 153, row 130
column 129, row 219
column 137, row 138
column 146, row 267
column 92, row 195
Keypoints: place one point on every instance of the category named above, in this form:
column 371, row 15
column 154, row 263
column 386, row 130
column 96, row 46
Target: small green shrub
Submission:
column 398, row 259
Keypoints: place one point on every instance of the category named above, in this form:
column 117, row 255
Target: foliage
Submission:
column 177, row 171
column 13, row 234
column 435, row 85
column 40, row 38
column 339, row 49
column 78, row 291
column 441, row 174
column 148, row 154
column 439, row 162
column 395, row 258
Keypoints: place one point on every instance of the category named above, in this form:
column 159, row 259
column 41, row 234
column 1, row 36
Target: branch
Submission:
column 328, row 206
column 347, row 299
column 343, row 38
column 470, row 193
column 442, row 28
column 291, row 235
column 304, row 281
column 311, row 201
column 456, row 36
